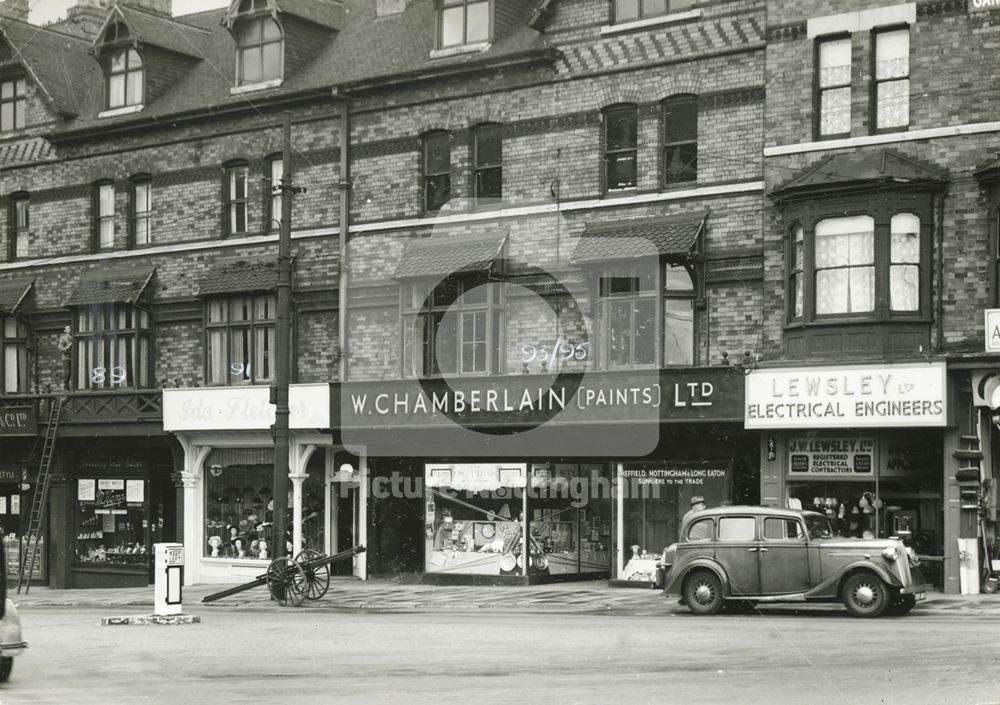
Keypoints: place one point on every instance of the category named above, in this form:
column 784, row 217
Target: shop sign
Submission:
column 831, row 457
column 709, row 394
column 992, row 316
column 18, row 421
column 707, row 478
column 243, row 408
column 10, row 475
column 905, row 395
column 476, row 477
column 980, row 5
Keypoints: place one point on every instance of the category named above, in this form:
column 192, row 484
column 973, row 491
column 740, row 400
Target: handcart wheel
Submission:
column 286, row 581
column 317, row 574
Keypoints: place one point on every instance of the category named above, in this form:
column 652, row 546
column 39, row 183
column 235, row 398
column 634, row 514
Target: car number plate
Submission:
column 921, row 595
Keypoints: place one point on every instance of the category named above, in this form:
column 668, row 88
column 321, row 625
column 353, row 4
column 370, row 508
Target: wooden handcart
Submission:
column 292, row 581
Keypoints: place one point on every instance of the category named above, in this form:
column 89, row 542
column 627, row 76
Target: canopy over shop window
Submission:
column 227, row 457
column 672, row 235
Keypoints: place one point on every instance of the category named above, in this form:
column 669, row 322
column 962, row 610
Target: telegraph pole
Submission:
column 283, row 361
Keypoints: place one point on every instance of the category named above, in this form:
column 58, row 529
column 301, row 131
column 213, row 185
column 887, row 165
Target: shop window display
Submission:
column 475, row 520
column 239, row 511
column 112, row 522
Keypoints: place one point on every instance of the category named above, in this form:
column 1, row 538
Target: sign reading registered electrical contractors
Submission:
column 976, row 5
column 847, row 397
column 830, row 457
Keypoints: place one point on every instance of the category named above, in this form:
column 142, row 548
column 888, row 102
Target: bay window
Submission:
column 872, row 263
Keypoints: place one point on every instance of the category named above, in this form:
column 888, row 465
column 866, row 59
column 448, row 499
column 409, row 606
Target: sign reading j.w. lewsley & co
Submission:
column 909, row 395
column 18, row 421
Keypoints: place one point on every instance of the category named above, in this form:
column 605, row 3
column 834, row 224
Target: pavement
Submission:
column 389, row 595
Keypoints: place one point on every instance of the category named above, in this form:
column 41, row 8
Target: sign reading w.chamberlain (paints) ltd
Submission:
column 847, row 397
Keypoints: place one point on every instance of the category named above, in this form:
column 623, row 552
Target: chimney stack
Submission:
column 384, row 8
column 163, row 7
column 84, row 19
column 15, row 9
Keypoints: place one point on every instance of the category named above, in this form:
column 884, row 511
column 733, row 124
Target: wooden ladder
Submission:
column 33, row 537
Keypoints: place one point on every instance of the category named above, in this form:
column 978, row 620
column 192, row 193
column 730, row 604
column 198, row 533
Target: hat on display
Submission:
column 697, row 499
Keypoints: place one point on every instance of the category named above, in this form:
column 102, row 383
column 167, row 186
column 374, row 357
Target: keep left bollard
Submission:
column 168, row 579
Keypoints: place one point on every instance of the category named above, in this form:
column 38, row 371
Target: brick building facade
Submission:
column 543, row 197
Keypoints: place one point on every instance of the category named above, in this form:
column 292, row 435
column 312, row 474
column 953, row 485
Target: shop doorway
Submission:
column 346, row 511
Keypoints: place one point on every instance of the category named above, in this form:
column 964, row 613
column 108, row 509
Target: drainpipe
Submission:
column 939, row 342
column 344, row 185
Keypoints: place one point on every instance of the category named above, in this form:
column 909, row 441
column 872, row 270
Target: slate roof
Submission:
column 326, row 13
column 158, row 30
column 367, row 51
column 239, row 277
column 442, row 255
column 859, row 168
column 14, row 295
column 58, row 64
column 631, row 239
column 110, row 287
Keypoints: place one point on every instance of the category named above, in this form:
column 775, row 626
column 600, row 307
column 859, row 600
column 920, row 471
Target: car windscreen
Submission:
column 818, row 526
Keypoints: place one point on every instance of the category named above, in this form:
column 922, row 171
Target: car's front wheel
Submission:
column 6, row 666
column 703, row 592
column 865, row 595
column 902, row 604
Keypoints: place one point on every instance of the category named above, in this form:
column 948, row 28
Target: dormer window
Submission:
column 260, row 50
column 12, row 104
column 464, row 22
column 125, row 79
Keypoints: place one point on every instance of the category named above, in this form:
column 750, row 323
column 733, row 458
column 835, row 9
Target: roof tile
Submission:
column 239, row 277
column 110, row 288
column 443, row 255
column 632, row 239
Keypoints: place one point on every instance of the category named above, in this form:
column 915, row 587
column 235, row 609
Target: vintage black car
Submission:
column 11, row 642
column 740, row 555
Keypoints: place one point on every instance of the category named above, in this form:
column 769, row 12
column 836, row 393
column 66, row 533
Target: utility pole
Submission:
column 283, row 361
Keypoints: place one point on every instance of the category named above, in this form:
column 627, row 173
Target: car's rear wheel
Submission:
column 6, row 666
column 703, row 592
column 902, row 604
column 865, row 595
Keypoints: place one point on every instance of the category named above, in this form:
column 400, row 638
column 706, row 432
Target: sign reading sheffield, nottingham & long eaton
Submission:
column 847, row 397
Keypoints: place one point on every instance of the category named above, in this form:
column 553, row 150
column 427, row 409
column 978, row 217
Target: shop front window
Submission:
column 480, row 515
column 876, row 486
column 239, row 504
column 112, row 522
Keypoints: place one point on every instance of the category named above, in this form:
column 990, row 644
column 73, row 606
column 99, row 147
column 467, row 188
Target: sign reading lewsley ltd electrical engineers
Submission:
column 847, row 397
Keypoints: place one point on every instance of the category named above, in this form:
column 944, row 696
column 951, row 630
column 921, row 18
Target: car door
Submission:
column 784, row 559
column 736, row 552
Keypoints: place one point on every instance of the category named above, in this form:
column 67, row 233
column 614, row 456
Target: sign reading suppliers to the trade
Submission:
column 847, row 397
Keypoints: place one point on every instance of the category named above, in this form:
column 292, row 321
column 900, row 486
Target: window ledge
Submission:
column 460, row 49
column 259, row 86
column 124, row 110
column 650, row 22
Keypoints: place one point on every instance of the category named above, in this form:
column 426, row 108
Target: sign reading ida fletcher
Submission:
column 847, row 397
